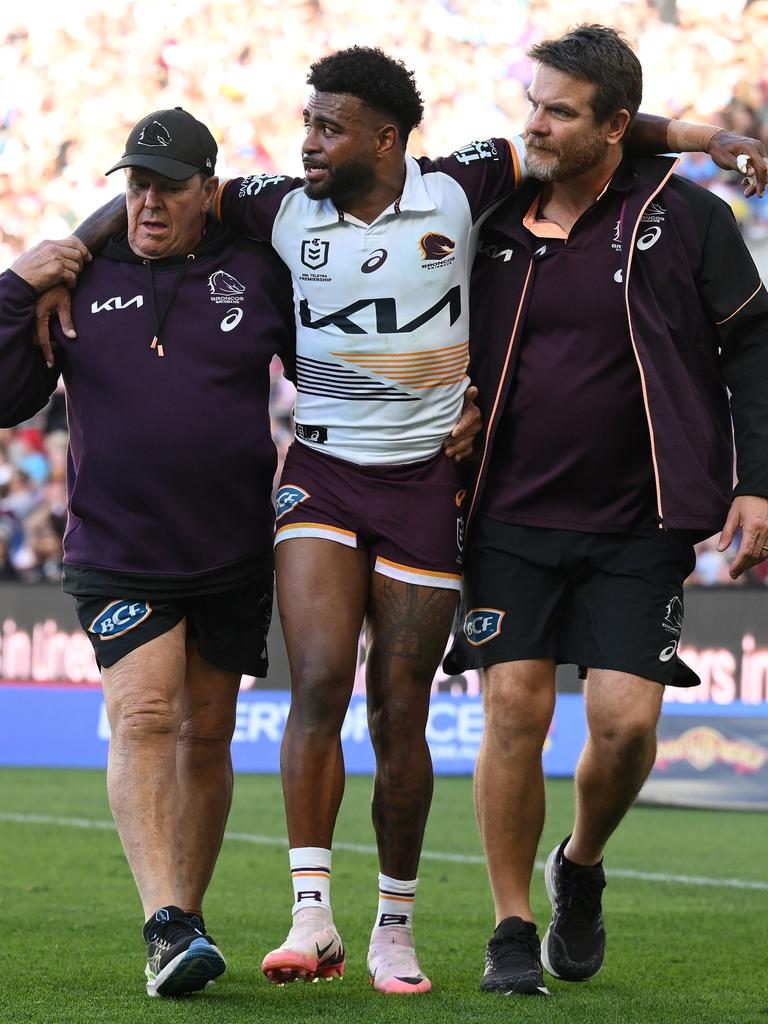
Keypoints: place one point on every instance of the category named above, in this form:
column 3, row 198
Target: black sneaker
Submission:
column 513, row 960
column 181, row 958
column 574, row 944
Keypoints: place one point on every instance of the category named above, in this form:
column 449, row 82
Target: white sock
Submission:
column 396, row 900
column 311, row 877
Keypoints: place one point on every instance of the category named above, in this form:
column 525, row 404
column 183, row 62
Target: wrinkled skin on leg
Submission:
column 169, row 775
column 518, row 700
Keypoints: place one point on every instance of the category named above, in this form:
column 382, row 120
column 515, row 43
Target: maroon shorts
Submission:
column 410, row 517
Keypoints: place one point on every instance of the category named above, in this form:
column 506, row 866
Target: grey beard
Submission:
column 581, row 158
column 539, row 172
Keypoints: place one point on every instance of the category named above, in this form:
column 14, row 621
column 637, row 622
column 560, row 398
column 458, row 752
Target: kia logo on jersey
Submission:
column 314, row 253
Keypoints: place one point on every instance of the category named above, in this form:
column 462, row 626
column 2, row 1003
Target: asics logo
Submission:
column 669, row 652
column 231, row 320
column 374, row 261
column 649, row 238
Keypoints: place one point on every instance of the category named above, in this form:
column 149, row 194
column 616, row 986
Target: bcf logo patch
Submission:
column 482, row 625
column 314, row 253
column 287, row 498
column 119, row 617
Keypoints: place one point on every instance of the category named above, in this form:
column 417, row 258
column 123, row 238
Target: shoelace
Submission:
column 172, row 932
column 512, row 950
column 580, row 894
column 199, row 925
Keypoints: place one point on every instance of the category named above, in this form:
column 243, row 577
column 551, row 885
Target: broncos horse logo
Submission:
column 436, row 247
column 222, row 283
column 154, row 134
column 673, row 619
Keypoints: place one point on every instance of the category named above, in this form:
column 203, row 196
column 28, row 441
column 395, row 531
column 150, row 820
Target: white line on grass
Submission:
column 438, row 855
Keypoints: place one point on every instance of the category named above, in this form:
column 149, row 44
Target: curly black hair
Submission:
column 378, row 80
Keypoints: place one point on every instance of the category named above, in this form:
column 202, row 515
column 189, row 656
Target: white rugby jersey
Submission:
column 382, row 309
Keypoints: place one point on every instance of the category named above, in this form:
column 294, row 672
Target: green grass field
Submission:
column 71, row 923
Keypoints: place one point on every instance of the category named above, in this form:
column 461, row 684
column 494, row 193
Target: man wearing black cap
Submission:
column 168, row 545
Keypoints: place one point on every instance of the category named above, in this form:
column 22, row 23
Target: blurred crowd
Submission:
column 74, row 79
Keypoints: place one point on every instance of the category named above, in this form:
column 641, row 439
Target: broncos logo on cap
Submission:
column 436, row 247
column 222, row 283
column 154, row 134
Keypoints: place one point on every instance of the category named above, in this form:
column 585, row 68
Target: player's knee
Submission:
column 209, row 728
column 396, row 724
column 518, row 712
column 628, row 736
column 318, row 703
column 142, row 716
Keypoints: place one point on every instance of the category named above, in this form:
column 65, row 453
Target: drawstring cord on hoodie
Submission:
column 160, row 320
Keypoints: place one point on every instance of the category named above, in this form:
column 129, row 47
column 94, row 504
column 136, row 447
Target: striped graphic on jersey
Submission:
column 315, row 377
column 418, row 370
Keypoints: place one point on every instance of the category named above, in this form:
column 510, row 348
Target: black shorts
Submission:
column 229, row 627
column 608, row 601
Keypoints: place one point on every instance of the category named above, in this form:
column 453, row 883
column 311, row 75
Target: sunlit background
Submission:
column 74, row 78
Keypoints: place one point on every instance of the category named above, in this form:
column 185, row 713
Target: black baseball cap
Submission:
column 171, row 142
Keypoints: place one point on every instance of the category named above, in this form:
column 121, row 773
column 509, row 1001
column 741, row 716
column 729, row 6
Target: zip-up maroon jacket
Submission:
column 698, row 320
column 170, row 460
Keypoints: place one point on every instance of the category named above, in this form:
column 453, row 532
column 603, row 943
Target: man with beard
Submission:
column 607, row 454
column 370, row 514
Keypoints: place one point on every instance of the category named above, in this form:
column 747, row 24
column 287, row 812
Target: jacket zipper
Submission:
column 646, row 404
column 502, row 379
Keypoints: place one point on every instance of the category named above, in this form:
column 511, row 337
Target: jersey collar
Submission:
column 415, row 198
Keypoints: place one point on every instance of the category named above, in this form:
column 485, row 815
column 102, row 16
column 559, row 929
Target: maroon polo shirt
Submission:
column 572, row 450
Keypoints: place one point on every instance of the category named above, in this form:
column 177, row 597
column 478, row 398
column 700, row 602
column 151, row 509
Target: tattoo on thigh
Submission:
column 409, row 621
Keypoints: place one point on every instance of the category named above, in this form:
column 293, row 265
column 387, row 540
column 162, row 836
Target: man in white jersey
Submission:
column 370, row 513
